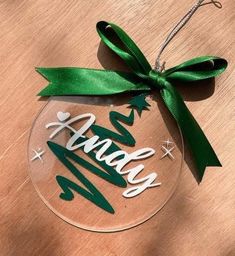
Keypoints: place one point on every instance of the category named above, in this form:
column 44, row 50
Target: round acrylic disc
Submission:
column 105, row 163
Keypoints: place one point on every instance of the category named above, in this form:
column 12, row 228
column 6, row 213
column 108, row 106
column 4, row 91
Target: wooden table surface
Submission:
column 199, row 219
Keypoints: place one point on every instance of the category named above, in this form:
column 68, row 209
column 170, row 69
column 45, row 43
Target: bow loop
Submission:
column 119, row 42
column 196, row 69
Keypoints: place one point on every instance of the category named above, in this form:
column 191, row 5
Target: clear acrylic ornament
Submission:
column 154, row 129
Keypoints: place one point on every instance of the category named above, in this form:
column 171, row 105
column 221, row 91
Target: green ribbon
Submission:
column 83, row 81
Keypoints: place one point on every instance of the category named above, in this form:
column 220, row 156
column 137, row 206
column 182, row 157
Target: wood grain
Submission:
column 198, row 220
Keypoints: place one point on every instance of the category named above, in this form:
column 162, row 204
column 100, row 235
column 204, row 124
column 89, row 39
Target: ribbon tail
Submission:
column 83, row 81
column 202, row 152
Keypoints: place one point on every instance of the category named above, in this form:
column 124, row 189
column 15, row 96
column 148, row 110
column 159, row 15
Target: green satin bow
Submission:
column 83, row 81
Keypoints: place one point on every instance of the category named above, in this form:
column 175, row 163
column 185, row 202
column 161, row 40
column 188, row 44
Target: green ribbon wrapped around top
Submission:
column 83, row 81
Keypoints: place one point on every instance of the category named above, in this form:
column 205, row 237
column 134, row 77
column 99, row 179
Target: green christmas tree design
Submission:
column 107, row 173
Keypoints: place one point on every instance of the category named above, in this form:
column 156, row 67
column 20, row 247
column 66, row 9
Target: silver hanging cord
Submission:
column 178, row 27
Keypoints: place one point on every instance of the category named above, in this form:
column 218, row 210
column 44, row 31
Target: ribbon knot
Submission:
column 83, row 81
column 157, row 79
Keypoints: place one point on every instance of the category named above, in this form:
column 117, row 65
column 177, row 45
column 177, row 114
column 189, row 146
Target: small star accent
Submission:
column 38, row 155
column 139, row 103
column 167, row 152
